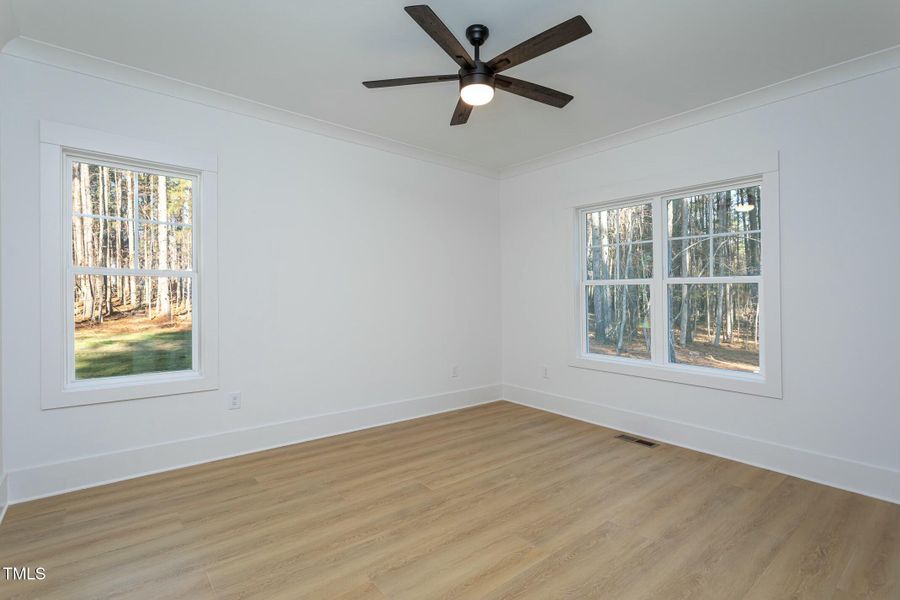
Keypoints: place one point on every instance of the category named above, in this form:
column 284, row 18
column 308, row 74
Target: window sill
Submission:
column 730, row 381
column 132, row 387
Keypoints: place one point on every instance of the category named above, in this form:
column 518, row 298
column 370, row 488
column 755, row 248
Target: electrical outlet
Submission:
column 545, row 372
column 234, row 401
column 454, row 372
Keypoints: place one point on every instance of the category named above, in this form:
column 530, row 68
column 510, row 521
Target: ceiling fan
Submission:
column 478, row 79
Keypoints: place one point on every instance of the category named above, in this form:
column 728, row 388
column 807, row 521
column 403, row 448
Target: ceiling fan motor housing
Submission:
column 480, row 73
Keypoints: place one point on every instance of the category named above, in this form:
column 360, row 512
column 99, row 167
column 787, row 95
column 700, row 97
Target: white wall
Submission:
column 4, row 495
column 352, row 277
column 839, row 419
column 8, row 27
column 7, row 31
column 349, row 277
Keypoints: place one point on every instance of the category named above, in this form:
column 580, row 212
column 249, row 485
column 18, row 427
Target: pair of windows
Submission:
column 674, row 282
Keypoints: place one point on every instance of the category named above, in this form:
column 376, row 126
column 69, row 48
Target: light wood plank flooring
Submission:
column 493, row 502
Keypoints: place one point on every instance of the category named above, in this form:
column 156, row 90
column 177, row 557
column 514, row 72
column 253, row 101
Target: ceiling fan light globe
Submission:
column 477, row 94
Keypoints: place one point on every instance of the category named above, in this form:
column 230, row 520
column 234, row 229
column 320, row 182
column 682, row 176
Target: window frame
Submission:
column 658, row 191
column 61, row 145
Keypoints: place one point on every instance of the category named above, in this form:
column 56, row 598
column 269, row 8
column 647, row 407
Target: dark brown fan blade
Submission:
column 461, row 113
column 553, row 38
column 381, row 83
column 532, row 91
column 433, row 26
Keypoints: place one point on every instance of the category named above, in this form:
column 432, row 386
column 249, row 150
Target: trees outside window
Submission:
column 618, row 268
column 132, row 270
column 713, row 272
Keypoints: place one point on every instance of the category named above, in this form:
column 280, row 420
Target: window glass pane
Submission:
column 101, row 190
column 618, row 320
column 737, row 255
column 733, row 211
column 638, row 260
column 101, row 243
column 714, row 325
column 165, row 198
column 631, row 261
column 689, row 257
column 619, row 243
column 737, row 210
column 641, row 218
column 601, row 261
column 165, row 247
column 110, row 192
column 126, row 325
column 688, row 216
column 620, row 225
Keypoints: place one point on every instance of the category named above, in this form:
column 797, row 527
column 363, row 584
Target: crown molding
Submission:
column 41, row 52
column 864, row 66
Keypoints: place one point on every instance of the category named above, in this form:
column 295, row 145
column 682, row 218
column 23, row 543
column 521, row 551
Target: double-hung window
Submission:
column 713, row 275
column 129, row 277
column 619, row 271
column 132, row 270
column 683, row 286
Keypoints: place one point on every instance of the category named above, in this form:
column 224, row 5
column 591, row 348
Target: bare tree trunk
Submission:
column 718, row 337
column 105, row 230
column 131, row 196
column 708, row 312
column 756, row 324
column 729, row 314
column 645, row 330
column 671, row 332
column 605, row 291
column 78, row 236
column 87, row 284
column 685, row 270
column 162, row 297
column 120, row 281
column 146, row 252
column 624, row 316
column 600, row 292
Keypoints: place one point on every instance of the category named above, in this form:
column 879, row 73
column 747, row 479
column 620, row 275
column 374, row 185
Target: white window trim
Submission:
column 761, row 170
column 58, row 142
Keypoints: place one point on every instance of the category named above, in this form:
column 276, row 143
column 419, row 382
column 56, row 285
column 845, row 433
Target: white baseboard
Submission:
column 871, row 480
column 4, row 496
column 57, row 478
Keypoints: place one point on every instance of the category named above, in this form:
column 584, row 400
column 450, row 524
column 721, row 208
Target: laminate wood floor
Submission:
column 494, row 502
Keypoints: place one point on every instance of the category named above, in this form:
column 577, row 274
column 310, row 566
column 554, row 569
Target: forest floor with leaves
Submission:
column 700, row 353
column 723, row 356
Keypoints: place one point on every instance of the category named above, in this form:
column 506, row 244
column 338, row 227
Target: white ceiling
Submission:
column 646, row 59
